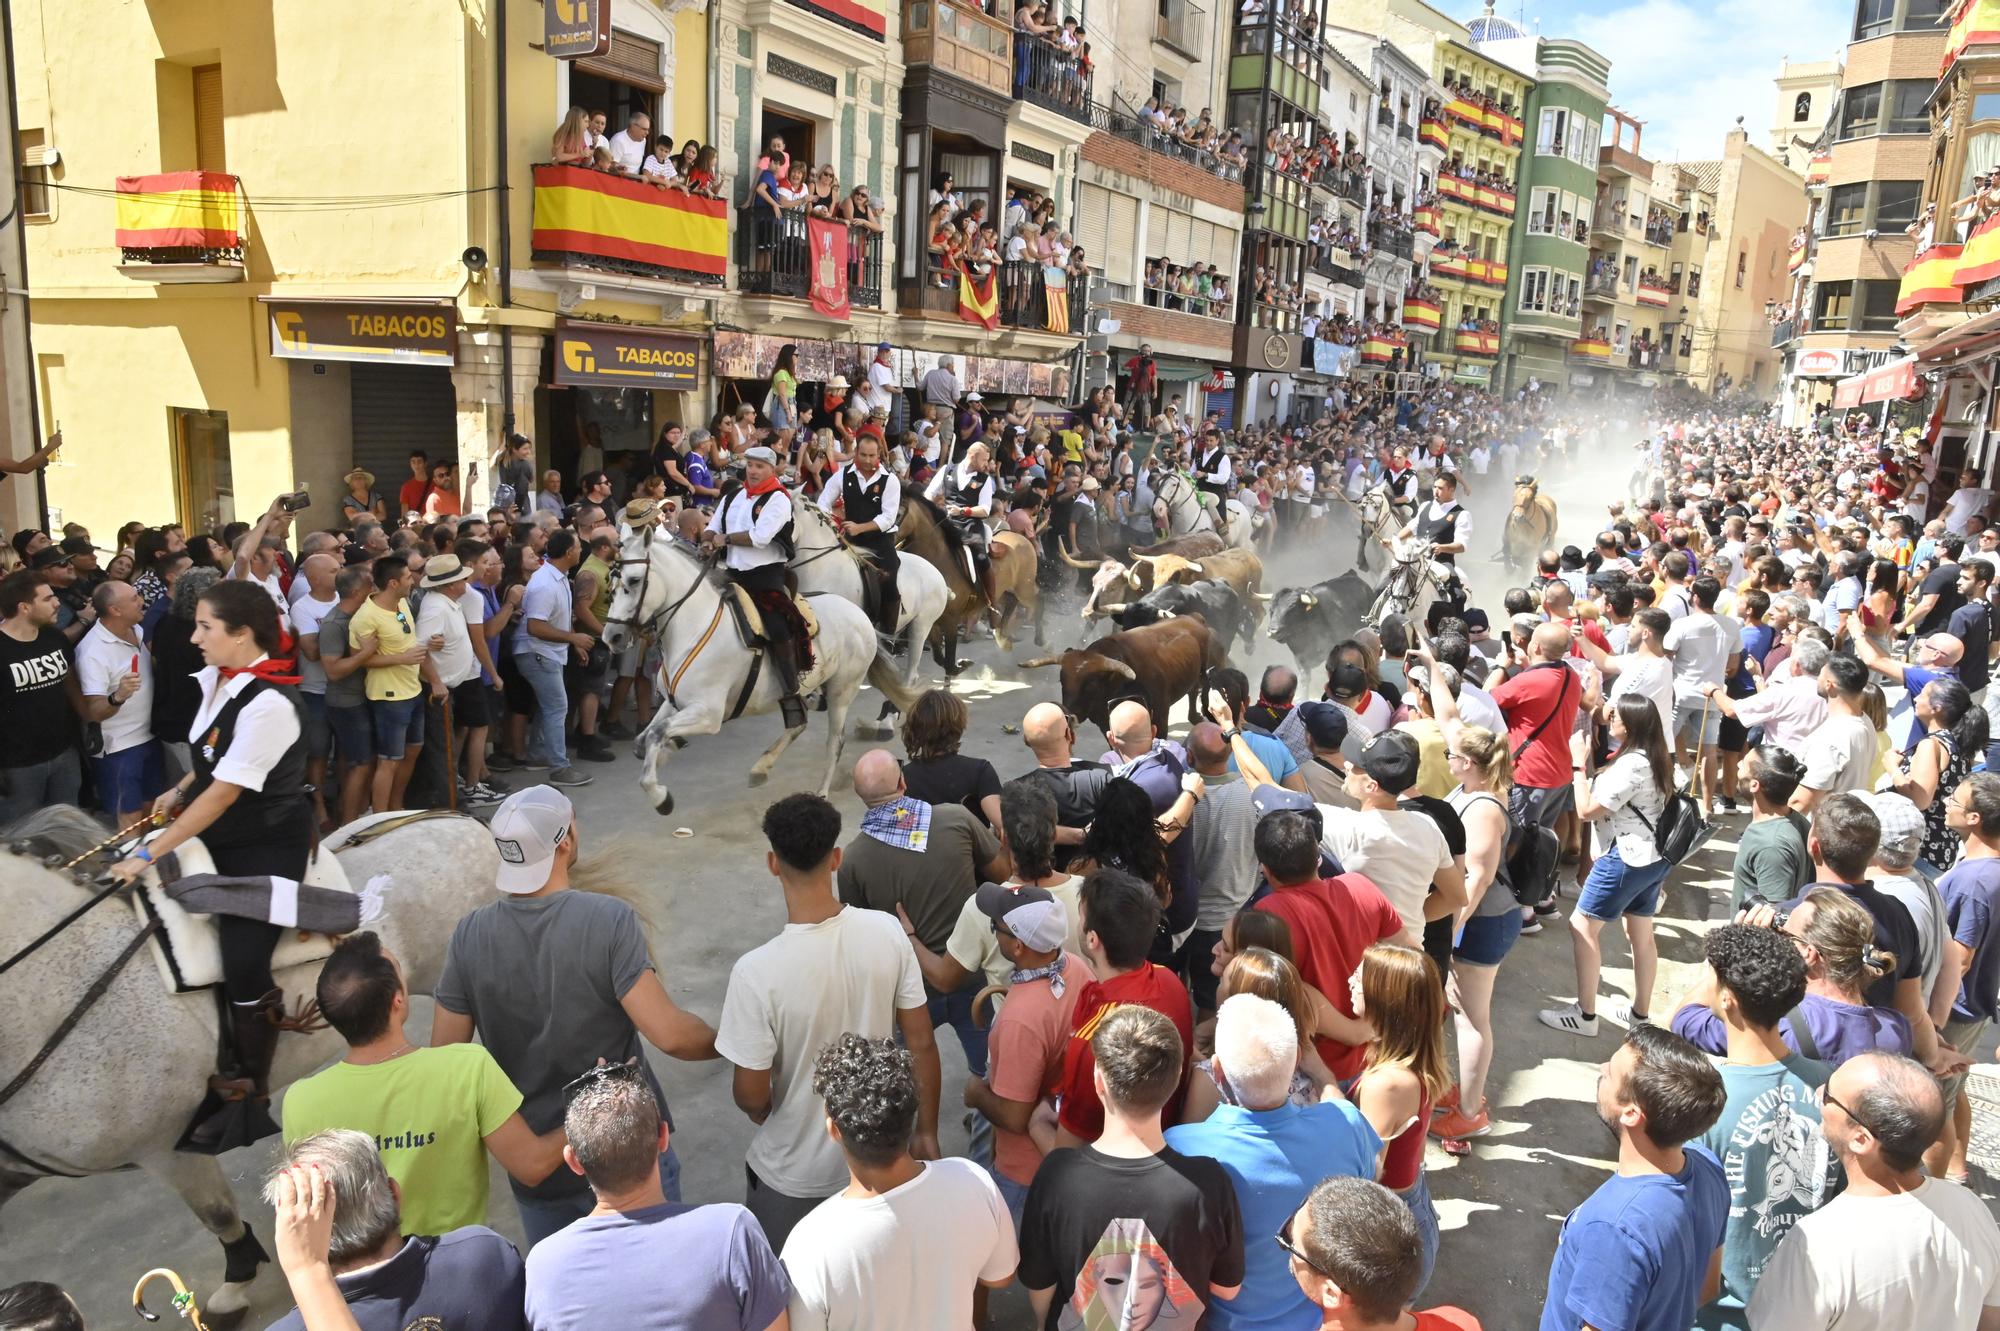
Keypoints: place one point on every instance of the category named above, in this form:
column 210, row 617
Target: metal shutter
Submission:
column 1093, row 214
column 632, row 60
column 398, row 408
column 1156, row 232
column 208, row 149
column 1120, row 260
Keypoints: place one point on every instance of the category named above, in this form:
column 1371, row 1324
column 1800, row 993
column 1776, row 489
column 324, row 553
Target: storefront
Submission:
column 610, row 389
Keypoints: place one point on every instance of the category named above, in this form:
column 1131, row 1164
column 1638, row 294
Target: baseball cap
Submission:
column 884, row 346
column 77, row 545
column 1325, row 723
column 1390, row 759
column 47, row 557
column 1277, row 799
column 1902, row 825
column 1031, row 914
column 526, row 830
column 1348, row 681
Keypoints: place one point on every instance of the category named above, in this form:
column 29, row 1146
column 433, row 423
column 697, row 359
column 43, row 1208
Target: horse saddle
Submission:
column 185, row 946
column 748, row 616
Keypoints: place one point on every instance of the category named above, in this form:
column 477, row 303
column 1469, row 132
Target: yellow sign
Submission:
column 612, row 356
column 408, row 334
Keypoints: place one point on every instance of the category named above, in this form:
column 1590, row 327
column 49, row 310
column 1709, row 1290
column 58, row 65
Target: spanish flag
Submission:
column 1377, row 351
column 1434, row 133
column 580, row 211
column 1421, row 314
column 1973, row 23
column 979, row 300
column 1930, row 279
column 1979, row 260
column 191, row 209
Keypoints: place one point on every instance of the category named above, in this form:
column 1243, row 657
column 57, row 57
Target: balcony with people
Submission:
column 1659, row 227
column 1476, row 186
column 1493, row 117
column 1476, row 337
column 1053, row 68
column 636, row 205
column 1594, row 345
column 1600, row 281
column 1196, row 140
column 1035, row 279
column 181, row 226
column 1654, row 290
column 780, row 253
column 1201, row 290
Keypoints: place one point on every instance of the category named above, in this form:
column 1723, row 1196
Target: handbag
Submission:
column 1681, row 831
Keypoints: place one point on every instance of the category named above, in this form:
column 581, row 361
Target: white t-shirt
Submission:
column 1626, row 788
column 880, row 377
column 1928, row 1258
column 627, row 152
column 307, row 612
column 1398, row 850
column 1700, row 644
column 908, row 1258
column 789, row 999
column 102, row 660
column 1477, row 708
column 1651, row 677
column 1965, row 503
column 658, row 169
column 454, row 662
column 1839, row 755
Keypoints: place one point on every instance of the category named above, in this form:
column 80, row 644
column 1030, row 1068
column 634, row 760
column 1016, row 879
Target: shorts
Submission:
column 1541, row 804
column 518, row 694
column 1616, row 889
column 471, row 705
column 1487, row 939
column 353, row 732
column 1733, row 737
column 626, row 664
column 1697, row 715
column 319, row 735
column 129, row 778
column 399, row 726
column 1962, row 1034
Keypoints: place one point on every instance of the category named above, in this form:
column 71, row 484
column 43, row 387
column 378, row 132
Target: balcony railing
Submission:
column 597, row 219
column 1047, row 76
column 1475, row 342
column 1385, row 117
column 1021, row 296
column 774, row 258
column 1434, row 133
column 1184, row 27
column 961, row 40
column 182, row 226
column 1601, row 286
column 1784, row 331
column 1591, row 348
column 1655, row 292
column 1133, row 129
column 1161, row 298
column 1406, row 131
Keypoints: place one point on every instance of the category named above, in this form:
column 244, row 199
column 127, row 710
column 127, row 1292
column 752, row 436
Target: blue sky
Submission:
column 1688, row 68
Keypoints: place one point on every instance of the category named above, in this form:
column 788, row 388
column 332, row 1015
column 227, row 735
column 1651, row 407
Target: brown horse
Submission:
column 1531, row 524
column 922, row 529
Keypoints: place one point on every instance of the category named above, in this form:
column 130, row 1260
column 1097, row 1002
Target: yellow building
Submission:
column 1755, row 205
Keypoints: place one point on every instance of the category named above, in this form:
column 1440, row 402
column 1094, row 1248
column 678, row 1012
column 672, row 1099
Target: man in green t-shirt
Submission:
column 383, row 633
column 434, row 1113
column 1772, row 863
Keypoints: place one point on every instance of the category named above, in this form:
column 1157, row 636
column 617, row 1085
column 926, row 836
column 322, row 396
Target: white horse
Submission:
column 1236, row 524
column 666, row 589
column 120, row 1087
column 1378, row 518
column 826, row 564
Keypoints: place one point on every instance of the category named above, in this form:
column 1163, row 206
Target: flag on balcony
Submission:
column 1055, row 283
column 979, row 299
column 1820, row 169
column 1979, row 260
column 578, row 211
column 827, row 243
column 1422, row 314
column 1930, row 279
column 180, row 209
column 1973, row 23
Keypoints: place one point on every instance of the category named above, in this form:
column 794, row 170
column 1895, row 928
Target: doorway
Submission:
column 204, row 494
column 800, row 136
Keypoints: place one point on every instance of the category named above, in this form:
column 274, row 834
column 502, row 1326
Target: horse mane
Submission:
column 608, row 870
column 58, row 829
column 946, row 532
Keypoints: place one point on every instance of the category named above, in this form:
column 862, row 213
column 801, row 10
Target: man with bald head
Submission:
column 1540, row 705
column 920, row 861
column 1897, row 1249
column 1077, row 786
column 1932, row 657
column 1159, row 767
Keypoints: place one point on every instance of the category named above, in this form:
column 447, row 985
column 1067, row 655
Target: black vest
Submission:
column 862, row 502
column 269, row 817
column 1209, row 464
column 965, row 496
column 1440, row 530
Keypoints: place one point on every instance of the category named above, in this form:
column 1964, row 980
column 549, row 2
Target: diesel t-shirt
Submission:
column 35, row 713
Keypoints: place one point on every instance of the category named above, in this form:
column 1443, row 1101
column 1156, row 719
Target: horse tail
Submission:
column 886, row 674
column 607, row 869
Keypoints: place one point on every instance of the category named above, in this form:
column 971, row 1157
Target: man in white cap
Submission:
column 753, row 527
column 554, row 980
column 441, row 614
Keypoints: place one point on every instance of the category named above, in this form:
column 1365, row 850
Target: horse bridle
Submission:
column 656, row 624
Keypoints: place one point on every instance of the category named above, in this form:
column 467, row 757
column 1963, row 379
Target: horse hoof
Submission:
column 758, row 778
column 666, row 804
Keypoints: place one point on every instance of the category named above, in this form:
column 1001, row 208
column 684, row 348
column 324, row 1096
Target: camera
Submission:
column 295, row 501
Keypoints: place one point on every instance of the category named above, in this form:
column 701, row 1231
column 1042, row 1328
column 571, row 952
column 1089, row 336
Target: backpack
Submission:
column 784, row 540
column 1681, row 831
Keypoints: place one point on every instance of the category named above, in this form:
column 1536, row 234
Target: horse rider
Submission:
column 965, row 489
column 1402, row 481
column 752, row 526
column 870, row 498
column 1445, row 527
column 246, row 799
column 1213, row 470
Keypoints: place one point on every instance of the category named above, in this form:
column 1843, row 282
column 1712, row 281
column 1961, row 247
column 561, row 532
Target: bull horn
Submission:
column 1038, row 663
column 1118, row 609
column 1308, row 600
column 1194, row 568
column 1072, row 560
column 1119, row 667
column 1262, row 596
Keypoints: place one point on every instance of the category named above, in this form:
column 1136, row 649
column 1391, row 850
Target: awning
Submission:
column 1173, row 370
column 1897, row 379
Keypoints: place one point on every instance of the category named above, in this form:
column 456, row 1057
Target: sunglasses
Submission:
column 1292, row 1252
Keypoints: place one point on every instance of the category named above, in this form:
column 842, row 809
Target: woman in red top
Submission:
column 1402, row 998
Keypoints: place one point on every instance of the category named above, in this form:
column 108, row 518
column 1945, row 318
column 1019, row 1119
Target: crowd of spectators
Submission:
column 635, row 152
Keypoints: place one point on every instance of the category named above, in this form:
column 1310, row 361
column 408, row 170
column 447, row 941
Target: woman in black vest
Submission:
column 246, row 800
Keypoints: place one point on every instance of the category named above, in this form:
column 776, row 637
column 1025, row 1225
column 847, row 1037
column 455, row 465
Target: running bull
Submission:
column 1155, row 664
column 1310, row 620
column 1220, row 606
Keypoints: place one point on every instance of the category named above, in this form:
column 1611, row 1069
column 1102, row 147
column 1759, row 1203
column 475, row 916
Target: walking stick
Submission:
column 450, row 758
column 183, row 1301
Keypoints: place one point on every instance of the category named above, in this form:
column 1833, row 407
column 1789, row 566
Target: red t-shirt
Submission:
column 1528, row 699
column 1333, row 921
column 1447, row 1319
column 412, row 495
column 1590, row 631
column 1150, row 986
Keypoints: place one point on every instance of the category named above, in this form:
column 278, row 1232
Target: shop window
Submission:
column 204, row 494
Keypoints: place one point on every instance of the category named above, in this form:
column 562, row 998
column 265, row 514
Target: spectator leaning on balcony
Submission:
column 571, row 144
column 628, row 149
column 658, row 168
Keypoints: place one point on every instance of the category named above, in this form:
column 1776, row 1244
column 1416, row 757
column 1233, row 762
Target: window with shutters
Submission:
column 34, row 174
column 623, row 82
column 208, row 148
column 1091, row 223
column 1119, row 257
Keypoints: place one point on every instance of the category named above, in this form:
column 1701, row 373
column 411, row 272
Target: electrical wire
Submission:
column 300, row 203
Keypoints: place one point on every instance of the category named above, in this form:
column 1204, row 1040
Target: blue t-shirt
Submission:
column 1272, row 753
column 1633, row 1257
column 1757, row 640
column 469, row 1278
column 661, row 1268
column 1914, row 679
column 1274, row 1159
column 1970, row 889
column 1839, row 1030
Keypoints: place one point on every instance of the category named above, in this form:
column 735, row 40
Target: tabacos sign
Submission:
column 398, row 332
column 573, row 28
column 613, row 356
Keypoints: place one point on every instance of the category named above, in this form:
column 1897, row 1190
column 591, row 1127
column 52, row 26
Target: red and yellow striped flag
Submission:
column 180, row 209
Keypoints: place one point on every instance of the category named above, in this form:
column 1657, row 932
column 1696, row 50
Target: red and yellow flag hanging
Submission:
column 1421, row 314
column 979, row 299
column 826, row 242
column 1930, row 279
column 1973, row 23
column 180, row 209
column 580, row 211
column 1979, row 259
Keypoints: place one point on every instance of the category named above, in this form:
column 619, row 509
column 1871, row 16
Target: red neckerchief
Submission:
column 763, row 487
column 271, row 670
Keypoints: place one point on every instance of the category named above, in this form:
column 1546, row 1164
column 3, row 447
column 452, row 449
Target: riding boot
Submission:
column 786, row 662
column 237, row 1109
column 989, row 588
column 890, row 608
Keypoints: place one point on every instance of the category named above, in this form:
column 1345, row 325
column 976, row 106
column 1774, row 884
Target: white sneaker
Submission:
column 1621, row 1015
column 1569, row 1019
